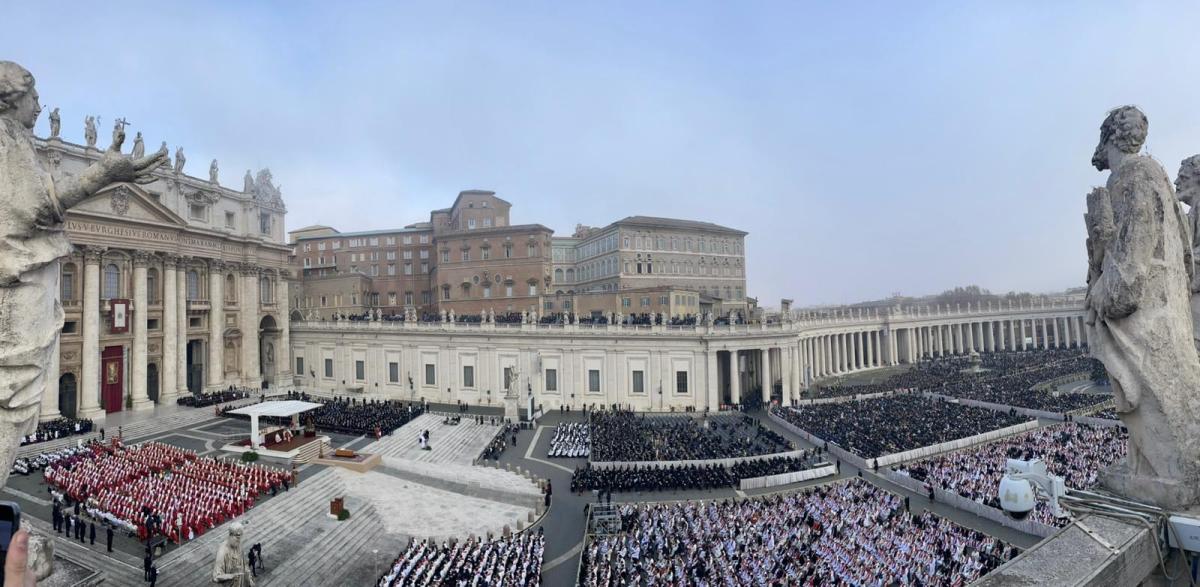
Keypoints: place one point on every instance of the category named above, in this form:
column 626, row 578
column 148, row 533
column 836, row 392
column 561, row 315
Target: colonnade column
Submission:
column 1024, row 343
column 991, row 336
column 1057, row 341
column 735, row 384
column 181, row 331
column 170, row 339
column 768, row 383
column 859, row 354
column 141, row 398
column 713, row 399
column 89, row 400
column 248, row 312
column 1000, row 344
column 871, row 351
column 49, row 408
column 283, row 354
column 216, row 324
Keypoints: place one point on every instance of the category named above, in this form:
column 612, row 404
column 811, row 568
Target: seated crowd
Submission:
column 200, row 400
column 571, row 440
column 348, row 415
column 156, row 488
column 27, row 465
column 659, row 477
column 515, row 561
column 1007, row 378
column 1075, row 452
column 57, row 428
column 625, row 436
column 879, row 426
column 848, row 533
column 496, row 447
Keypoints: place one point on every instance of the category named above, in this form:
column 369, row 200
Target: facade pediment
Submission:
column 129, row 201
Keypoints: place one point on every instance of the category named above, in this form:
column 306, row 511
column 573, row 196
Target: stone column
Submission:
column 855, row 351
column 50, row 407
column 89, row 377
column 735, row 384
column 216, row 324
column 248, row 307
column 870, row 346
column 283, row 354
column 181, row 330
column 1000, row 336
column 840, row 351
column 991, row 336
column 1057, row 341
column 768, row 380
column 711, row 385
column 1024, row 343
column 167, row 389
column 138, row 367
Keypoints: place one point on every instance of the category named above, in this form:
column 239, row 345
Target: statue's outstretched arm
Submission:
column 112, row 167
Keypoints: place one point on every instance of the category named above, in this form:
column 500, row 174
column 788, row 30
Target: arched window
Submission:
column 230, row 288
column 570, row 275
column 68, row 281
column 112, row 281
column 152, row 296
column 558, row 275
column 193, row 285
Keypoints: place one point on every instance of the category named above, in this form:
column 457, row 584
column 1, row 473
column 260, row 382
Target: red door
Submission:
column 112, row 378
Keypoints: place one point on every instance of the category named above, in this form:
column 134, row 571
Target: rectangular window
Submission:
column 626, row 303
column 408, row 255
column 681, row 382
column 468, row 376
column 430, row 374
column 407, row 240
column 594, row 380
column 487, row 222
column 424, row 267
column 391, row 268
column 264, row 223
column 548, row 305
column 196, row 211
column 551, row 379
column 426, row 297
column 507, row 377
column 394, row 372
column 300, row 366
column 487, row 292
column 470, row 224
column 466, row 256
column 408, row 268
column 639, row 382
column 487, row 254
column 424, row 239
column 664, row 300
column 532, row 251
column 391, row 298
column 329, row 368
column 446, row 293
column 390, row 241
column 70, row 327
column 645, row 301
column 408, row 298
column 532, row 289
column 445, row 256
column 507, row 251
column 508, row 291
column 229, row 220
column 360, row 370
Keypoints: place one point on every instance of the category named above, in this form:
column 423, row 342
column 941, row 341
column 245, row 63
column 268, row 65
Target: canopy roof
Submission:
column 282, row 409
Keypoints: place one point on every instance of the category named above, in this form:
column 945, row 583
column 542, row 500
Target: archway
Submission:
column 268, row 349
column 152, row 381
column 68, row 399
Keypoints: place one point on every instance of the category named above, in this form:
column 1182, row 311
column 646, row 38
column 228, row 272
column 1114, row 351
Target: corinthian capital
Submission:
column 249, row 269
column 170, row 260
column 92, row 254
column 141, row 258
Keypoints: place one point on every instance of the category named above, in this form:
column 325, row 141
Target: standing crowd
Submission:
column 622, row 435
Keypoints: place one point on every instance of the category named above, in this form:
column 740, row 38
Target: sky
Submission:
column 868, row 148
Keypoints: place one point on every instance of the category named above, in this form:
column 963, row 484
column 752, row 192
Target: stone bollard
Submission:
column 506, row 531
column 531, row 517
column 508, row 466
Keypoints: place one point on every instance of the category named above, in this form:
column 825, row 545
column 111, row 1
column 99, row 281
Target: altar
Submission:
column 278, row 440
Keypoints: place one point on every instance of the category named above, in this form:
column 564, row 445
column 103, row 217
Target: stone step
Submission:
column 56, row 444
column 329, row 547
column 467, row 489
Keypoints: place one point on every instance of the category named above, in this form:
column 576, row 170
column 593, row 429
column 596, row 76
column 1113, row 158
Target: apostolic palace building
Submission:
column 185, row 285
column 174, row 286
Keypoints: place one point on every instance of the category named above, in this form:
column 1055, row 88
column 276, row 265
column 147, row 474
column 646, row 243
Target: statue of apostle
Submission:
column 1187, row 188
column 32, row 239
column 1139, row 316
column 229, row 567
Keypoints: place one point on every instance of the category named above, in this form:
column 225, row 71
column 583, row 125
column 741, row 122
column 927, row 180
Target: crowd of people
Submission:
column 347, row 415
column 845, row 533
column 622, row 435
column 514, row 561
column 496, row 447
column 1075, row 452
column 879, row 426
column 158, row 489
column 660, row 477
column 642, row 319
column 204, row 399
column 57, row 428
column 571, row 440
column 1006, row 378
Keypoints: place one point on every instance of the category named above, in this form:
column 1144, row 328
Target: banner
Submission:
column 119, row 316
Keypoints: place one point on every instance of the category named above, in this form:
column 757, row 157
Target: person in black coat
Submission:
column 152, row 575
column 108, row 535
column 252, row 559
column 147, row 564
column 92, row 533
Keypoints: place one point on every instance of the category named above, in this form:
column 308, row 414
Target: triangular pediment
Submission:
column 129, row 201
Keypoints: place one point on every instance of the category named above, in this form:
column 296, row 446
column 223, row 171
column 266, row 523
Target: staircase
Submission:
column 459, row 444
column 311, row 451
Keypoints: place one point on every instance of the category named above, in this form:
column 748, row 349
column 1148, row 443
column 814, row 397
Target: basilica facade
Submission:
column 179, row 285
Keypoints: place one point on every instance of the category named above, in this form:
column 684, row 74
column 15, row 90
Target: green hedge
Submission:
column 249, row 457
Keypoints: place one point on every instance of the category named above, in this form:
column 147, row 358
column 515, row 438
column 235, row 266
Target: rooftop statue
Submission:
column 32, row 207
column 1139, row 317
column 1187, row 187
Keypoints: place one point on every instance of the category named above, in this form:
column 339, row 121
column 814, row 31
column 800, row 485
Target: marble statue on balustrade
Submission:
column 55, row 123
column 89, row 131
column 1139, row 316
column 213, row 170
column 248, row 183
column 229, row 566
column 139, row 147
column 1187, row 188
column 180, row 160
column 32, row 240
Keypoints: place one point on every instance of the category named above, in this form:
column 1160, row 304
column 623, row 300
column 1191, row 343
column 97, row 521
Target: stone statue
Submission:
column 1139, row 316
column 212, row 172
column 452, row 315
column 229, row 567
column 524, row 316
column 1187, row 188
column 443, row 315
column 55, row 124
column 118, row 133
column 533, row 317
column 510, row 384
column 32, row 206
column 248, row 183
column 139, row 148
column 89, row 131
column 180, row 160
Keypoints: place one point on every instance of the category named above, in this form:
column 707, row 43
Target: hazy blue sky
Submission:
column 891, row 147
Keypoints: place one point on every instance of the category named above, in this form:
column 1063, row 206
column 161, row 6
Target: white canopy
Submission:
column 281, row 409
